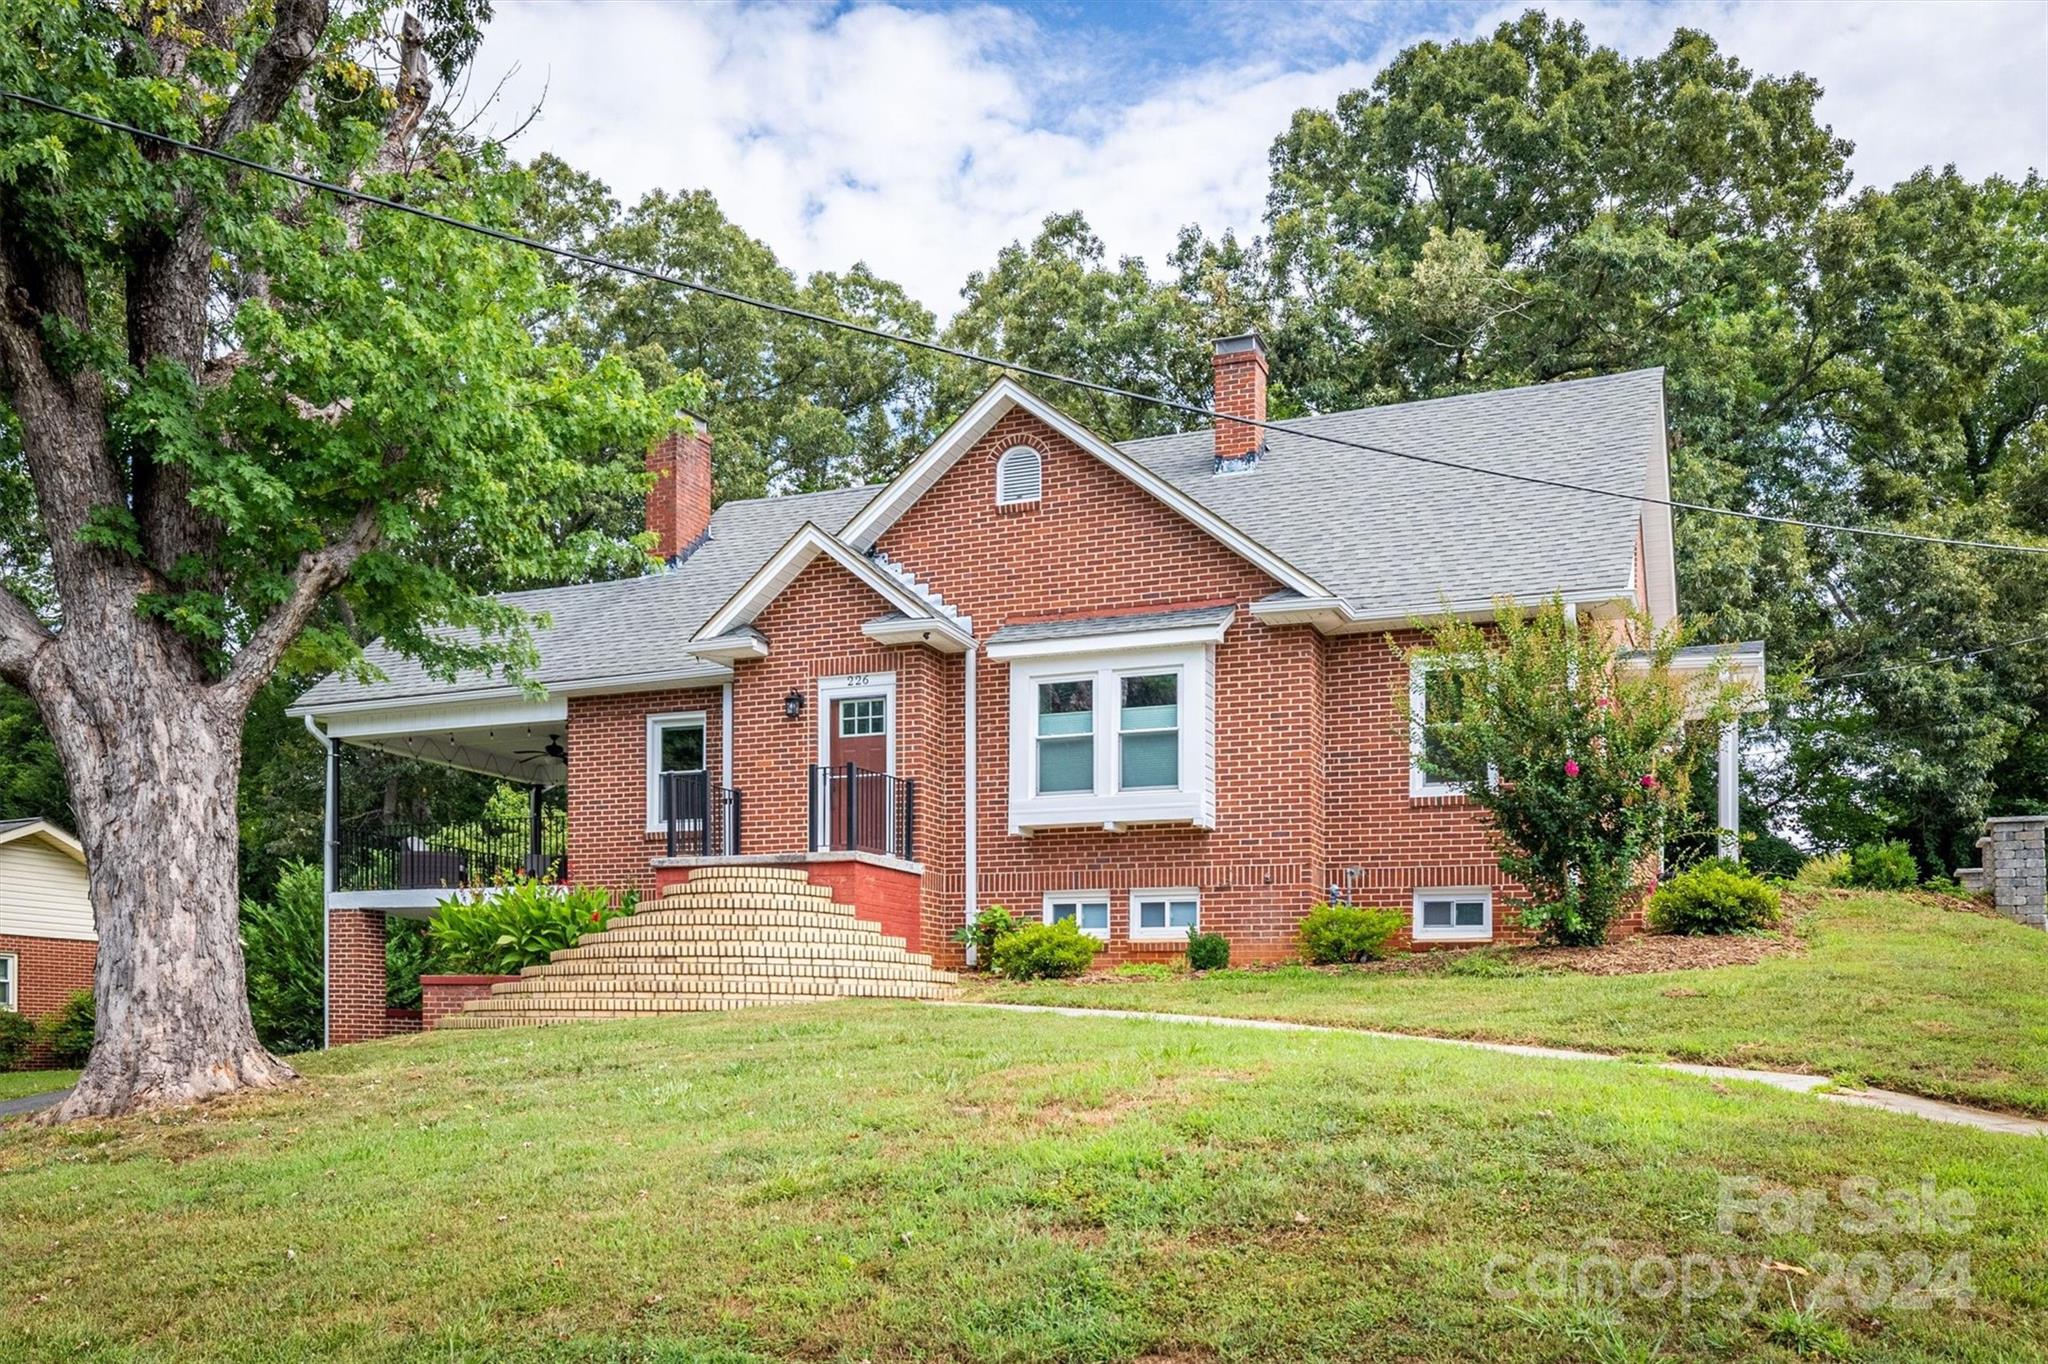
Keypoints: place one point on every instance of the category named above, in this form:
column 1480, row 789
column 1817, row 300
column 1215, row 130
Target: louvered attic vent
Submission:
column 1018, row 476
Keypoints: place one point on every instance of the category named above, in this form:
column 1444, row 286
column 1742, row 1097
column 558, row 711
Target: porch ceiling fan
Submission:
column 553, row 750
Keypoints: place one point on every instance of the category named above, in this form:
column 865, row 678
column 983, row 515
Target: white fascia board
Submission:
column 50, row 834
column 1123, row 641
column 935, row 632
column 1377, row 619
column 731, row 648
column 782, row 568
column 708, row 674
column 875, row 518
column 1660, row 561
column 399, row 721
column 1748, row 669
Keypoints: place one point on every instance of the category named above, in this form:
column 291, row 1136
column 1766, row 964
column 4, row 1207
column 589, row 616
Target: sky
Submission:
column 922, row 138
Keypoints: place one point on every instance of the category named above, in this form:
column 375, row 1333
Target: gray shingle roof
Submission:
column 631, row 628
column 1395, row 538
column 1392, row 537
column 1083, row 627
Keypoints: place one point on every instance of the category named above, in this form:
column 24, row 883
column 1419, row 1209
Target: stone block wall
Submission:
column 2016, row 867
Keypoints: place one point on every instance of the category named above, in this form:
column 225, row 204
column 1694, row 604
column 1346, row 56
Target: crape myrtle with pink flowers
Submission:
column 1578, row 738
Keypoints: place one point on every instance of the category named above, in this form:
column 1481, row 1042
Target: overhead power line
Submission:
column 1962, row 657
column 939, row 347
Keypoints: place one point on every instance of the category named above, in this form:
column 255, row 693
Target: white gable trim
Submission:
column 1001, row 398
column 1660, row 562
column 51, row 835
column 792, row 559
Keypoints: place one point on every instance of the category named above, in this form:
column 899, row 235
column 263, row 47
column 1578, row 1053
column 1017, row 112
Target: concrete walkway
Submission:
column 1934, row 1110
column 14, row 1108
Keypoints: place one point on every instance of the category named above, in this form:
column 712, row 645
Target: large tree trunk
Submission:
column 153, row 766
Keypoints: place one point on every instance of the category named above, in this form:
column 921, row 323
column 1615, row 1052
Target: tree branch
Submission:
column 279, row 65
column 22, row 638
column 319, row 572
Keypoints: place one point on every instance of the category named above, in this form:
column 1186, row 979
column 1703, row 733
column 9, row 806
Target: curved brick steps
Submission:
column 732, row 937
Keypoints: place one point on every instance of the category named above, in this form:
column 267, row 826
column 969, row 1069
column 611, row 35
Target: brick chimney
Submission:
column 679, row 503
column 1239, row 363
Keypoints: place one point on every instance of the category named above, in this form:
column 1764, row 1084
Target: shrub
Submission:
column 1044, row 951
column 1883, row 866
column 1207, row 951
column 989, row 927
column 1713, row 897
column 1829, row 869
column 281, row 957
column 408, row 954
column 1943, row 885
column 68, row 1033
column 17, row 1035
column 520, row 923
column 1339, row 933
column 1581, row 760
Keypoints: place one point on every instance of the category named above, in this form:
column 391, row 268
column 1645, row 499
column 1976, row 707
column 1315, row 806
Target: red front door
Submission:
column 858, row 733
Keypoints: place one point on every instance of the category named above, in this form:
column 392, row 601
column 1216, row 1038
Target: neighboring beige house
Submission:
column 47, row 942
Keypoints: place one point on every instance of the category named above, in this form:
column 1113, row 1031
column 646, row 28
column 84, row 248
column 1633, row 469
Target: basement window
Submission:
column 1461, row 914
column 1019, row 476
column 1165, row 913
column 1087, row 908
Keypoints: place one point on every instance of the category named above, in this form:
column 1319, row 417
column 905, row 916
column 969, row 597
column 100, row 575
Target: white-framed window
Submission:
column 1020, row 476
column 1165, row 913
column 1089, row 909
column 1066, row 736
column 1112, row 739
column 862, row 716
column 10, row 987
column 1454, row 913
column 1148, row 731
column 1432, row 681
column 675, row 743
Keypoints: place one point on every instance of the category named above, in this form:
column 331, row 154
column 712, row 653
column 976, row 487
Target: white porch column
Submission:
column 1730, row 775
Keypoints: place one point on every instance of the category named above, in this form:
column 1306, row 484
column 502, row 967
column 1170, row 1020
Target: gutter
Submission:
column 970, row 845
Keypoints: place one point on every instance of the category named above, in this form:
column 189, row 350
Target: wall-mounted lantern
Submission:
column 793, row 704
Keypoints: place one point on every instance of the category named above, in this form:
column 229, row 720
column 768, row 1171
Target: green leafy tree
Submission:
column 284, row 948
column 1058, row 305
column 258, row 424
column 1580, row 757
column 792, row 406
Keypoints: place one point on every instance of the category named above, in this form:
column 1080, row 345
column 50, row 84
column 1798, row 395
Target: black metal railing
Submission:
column 855, row 810
column 700, row 819
column 410, row 855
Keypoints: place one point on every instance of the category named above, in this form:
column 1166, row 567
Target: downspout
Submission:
column 327, row 825
column 725, row 733
column 970, row 843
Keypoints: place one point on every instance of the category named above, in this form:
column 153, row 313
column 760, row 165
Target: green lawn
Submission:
column 16, row 1084
column 1891, row 991
column 898, row 1182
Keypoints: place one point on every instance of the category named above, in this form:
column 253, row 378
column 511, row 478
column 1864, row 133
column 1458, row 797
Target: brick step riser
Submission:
column 629, row 948
column 727, row 957
column 739, row 918
column 690, row 981
column 673, row 899
column 683, row 1001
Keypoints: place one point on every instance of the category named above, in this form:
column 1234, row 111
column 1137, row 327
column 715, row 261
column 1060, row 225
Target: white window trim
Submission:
column 12, row 1003
column 1038, row 482
column 1168, row 934
column 1079, row 897
column 655, row 725
column 1108, row 806
column 1483, row 933
column 1420, row 783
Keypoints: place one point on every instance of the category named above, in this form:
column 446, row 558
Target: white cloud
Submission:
column 922, row 140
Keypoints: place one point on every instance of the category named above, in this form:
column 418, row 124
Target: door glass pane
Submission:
column 862, row 717
column 682, row 748
column 1066, row 743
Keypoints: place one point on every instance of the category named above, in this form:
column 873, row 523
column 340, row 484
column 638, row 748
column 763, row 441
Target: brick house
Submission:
column 1144, row 685
column 47, row 941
